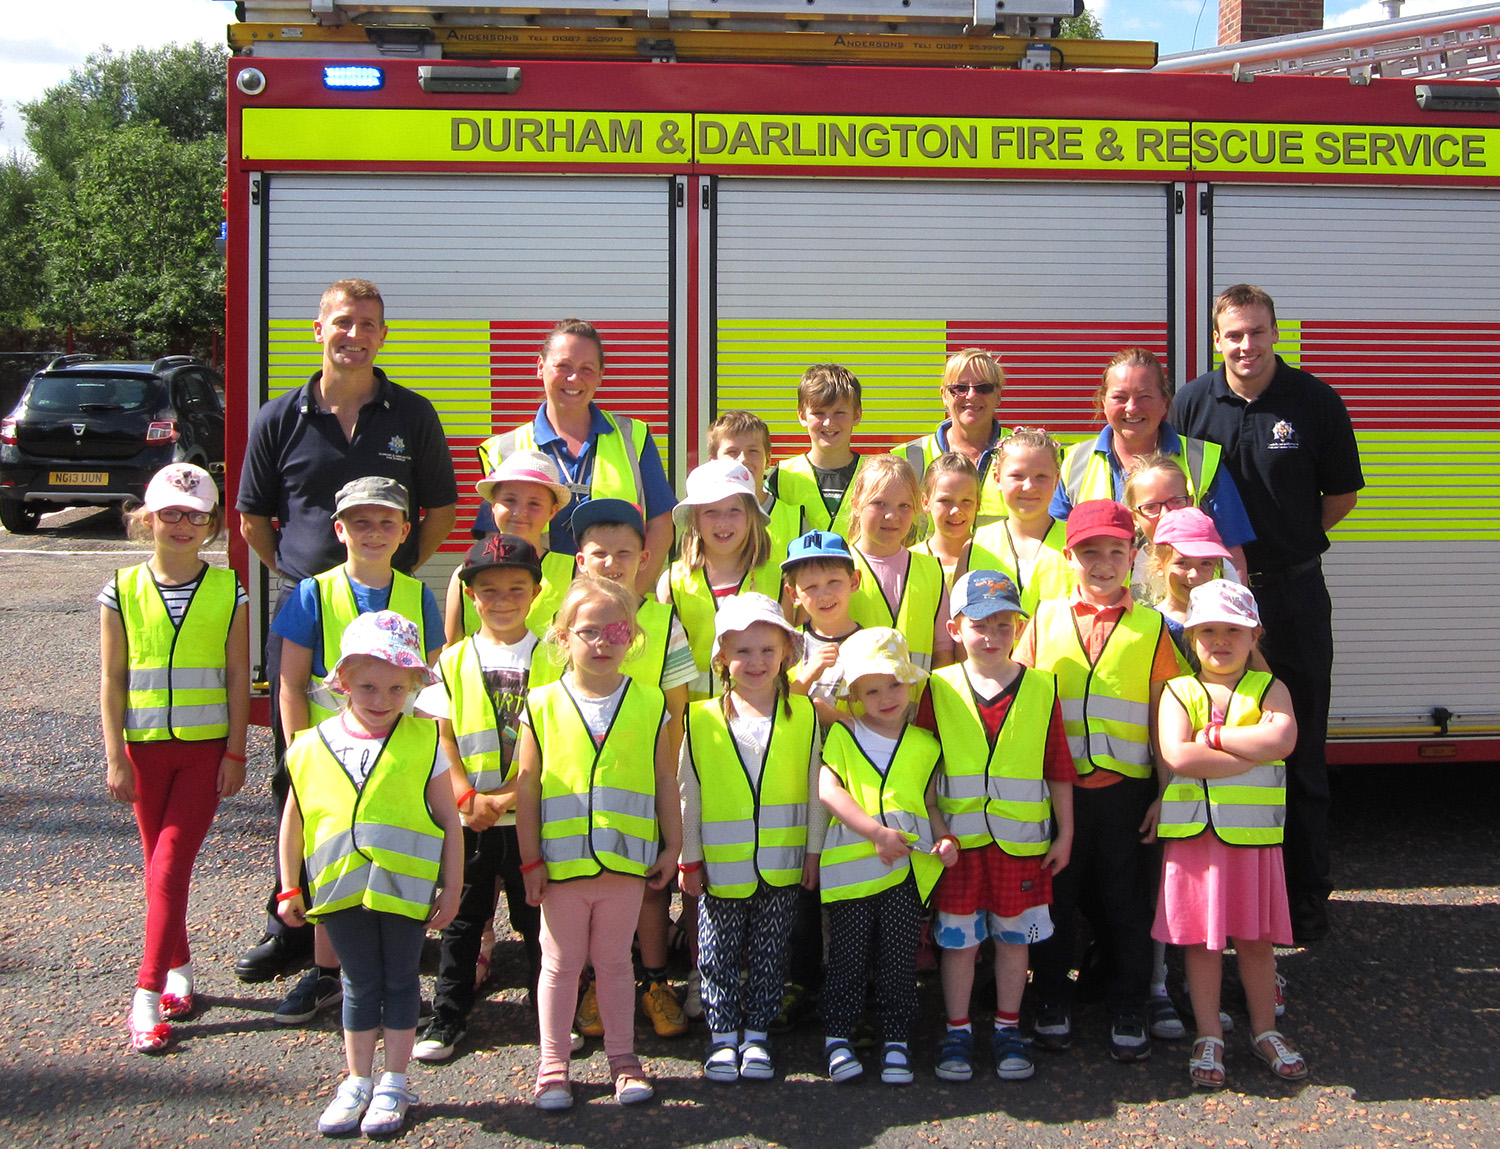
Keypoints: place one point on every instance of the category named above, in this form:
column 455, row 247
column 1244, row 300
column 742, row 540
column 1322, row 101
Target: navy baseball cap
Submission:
column 613, row 511
column 817, row 545
column 980, row 594
column 500, row 551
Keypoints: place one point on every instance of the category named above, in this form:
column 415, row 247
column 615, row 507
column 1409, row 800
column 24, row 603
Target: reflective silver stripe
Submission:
column 783, row 816
column 922, row 659
column 1184, row 812
column 608, row 840
column 1022, row 833
column 628, row 802
column 740, row 873
column 1119, row 710
column 728, row 833
column 703, row 683
column 969, row 787
column 182, row 717
column 330, row 851
column 855, row 871
column 1072, row 709
column 486, row 780
column 177, row 678
column 403, row 886
column 319, row 694
column 147, row 678
column 909, row 823
column 563, row 807
column 781, row 857
column 400, row 840
column 1099, row 744
column 961, row 787
column 569, row 849
column 344, row 886
column 479, row 742
column 1271, row 816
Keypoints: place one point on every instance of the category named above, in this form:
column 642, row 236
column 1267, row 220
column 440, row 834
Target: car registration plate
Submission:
column 79, row 478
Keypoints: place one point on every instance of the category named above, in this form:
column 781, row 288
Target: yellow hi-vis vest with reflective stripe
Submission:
column 337, row 609
column 849, row 866
column 796, row 484
column 915, row 616
column 616, row 472
column 557, row 573
column 176, row 684
column 696, row 607
column 1086, row 474
column 921, row 452
column 1248, row 809
column 374, row 845
column 486, row 750
column 1051, row 576
column 752, row 833
column 598, row 802
column 1106, row 707
column 785, row 525
column 995, row 794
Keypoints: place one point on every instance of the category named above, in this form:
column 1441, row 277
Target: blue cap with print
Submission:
column 980, row 594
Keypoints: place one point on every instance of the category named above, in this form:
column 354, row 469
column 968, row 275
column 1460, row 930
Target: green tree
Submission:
column 129, row 243
column 1084, row 27
column 21, row 285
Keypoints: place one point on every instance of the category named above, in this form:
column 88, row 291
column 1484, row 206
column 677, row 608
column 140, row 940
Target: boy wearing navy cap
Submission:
column 821, row 578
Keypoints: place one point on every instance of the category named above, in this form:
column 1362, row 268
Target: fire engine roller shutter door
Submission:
column 1389, row 295
column 474, row 271
column 890, row 277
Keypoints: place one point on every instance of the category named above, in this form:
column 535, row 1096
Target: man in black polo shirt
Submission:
column 347, row 422
column 1290, row 446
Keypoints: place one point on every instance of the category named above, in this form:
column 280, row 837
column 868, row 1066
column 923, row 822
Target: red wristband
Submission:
column 1216, row 736
column 529, row 866
column 240, row 758
column 689, row 867
column 288, row 895
column 465, row 796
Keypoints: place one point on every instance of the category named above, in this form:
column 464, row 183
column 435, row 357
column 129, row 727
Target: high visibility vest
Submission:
column 649, row 662
column 752, row 832
column 176, row 684
column 377, row 844
column 1086, row 474
column 616, row 473
column 598, row 802
column 696, row 606
column 995, row 794
column 849, row 866
column 1106, row 707
column 950, row 574
column 482, row 743
column 1051, row 575
column 785, row 525
column 796, row 484
column 915, row 615
column 337, row 609
column 557, row 573
column 1248, row 809
column 921, row 452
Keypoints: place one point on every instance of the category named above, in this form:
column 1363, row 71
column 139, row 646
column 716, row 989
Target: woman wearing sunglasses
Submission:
column 972, row 385
column 1133, row 397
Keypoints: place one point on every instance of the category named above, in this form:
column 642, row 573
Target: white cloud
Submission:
column 1370, row 11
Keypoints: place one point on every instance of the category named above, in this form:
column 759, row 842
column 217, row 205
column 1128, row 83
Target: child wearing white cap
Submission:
column 1223, row 734
column 752, row 829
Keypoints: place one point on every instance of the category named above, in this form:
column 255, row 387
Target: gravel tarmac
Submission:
column 1398, row 1013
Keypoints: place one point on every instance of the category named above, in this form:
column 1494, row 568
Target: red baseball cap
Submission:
column 1100, row 517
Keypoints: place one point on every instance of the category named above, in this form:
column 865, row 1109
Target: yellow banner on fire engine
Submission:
column 672, row 141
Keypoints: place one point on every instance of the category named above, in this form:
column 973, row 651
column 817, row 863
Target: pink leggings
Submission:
column 176, row 795
column 587, row 920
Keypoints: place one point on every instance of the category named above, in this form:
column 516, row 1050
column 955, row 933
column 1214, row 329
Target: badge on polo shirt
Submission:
column 396, row 450
column 1283, row 437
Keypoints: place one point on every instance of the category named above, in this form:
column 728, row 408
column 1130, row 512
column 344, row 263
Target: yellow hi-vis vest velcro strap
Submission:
column 176, row 684
column 1248, row 809
column 598, row 802
column 915, row 615
column 995, row 794
column 375, row 845
column 1086, row 474
column 921, row 452
column 1106, row 707
column 849, row 866
column 557, row 572
column 796, row 484
column 337, row 609
column 616, row 472
column 1051, row 575
column 487, row 750
column 752, row 833
column 696, row 606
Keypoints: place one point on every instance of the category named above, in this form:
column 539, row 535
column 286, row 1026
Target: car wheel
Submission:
column 19, row 518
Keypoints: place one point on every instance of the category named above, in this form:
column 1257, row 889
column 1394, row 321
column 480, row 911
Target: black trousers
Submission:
column 281, row 780
column 891, row 923
column 1110, row 869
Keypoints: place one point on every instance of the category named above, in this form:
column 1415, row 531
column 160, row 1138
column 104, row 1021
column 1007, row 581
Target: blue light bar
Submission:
column 352, row 77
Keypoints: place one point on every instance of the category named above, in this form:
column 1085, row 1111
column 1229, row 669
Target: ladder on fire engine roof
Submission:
column 964, row 33
column 1444, row 45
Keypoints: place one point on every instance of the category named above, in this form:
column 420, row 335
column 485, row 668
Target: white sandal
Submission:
column 1283, row 1061
column 1207, row 1060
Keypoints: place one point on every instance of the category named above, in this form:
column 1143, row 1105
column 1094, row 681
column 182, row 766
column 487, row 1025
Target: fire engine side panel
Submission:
column 1388, row 295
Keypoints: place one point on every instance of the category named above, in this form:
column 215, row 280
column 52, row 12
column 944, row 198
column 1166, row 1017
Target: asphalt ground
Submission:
column 1398, row 1013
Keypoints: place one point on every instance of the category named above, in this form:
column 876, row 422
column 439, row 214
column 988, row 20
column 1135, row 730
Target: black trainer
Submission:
column 1128, row 1039
column 1053, row 1030
column 437, row 1042
column 314, row 992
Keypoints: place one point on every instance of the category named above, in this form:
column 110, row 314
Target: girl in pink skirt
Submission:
column 1223, row 734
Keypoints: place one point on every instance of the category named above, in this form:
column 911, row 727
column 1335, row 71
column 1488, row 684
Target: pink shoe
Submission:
column 152, row 1040
column 174, row 1008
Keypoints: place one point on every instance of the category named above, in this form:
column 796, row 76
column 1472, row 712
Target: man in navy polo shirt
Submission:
column 347, row 422
column 1289, row 443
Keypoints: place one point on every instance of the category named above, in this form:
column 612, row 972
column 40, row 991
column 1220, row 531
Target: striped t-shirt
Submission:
column 175, row 597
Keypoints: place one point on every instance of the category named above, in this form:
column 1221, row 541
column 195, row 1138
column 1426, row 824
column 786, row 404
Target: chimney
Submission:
column 1242, row 20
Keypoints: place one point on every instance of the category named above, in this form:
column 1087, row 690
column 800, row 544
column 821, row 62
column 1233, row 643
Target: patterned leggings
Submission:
column 892, row 921
column 737, row 932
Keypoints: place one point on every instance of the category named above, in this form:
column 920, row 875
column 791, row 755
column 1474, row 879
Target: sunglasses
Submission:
column 177, row 514
column 957, row 389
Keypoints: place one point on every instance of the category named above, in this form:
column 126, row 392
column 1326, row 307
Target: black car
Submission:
column 93, row 433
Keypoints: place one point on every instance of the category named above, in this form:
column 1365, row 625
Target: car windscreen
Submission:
column 63, row 393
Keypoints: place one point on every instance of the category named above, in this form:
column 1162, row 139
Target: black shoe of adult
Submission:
column 271, row 957
column 1309, row 920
